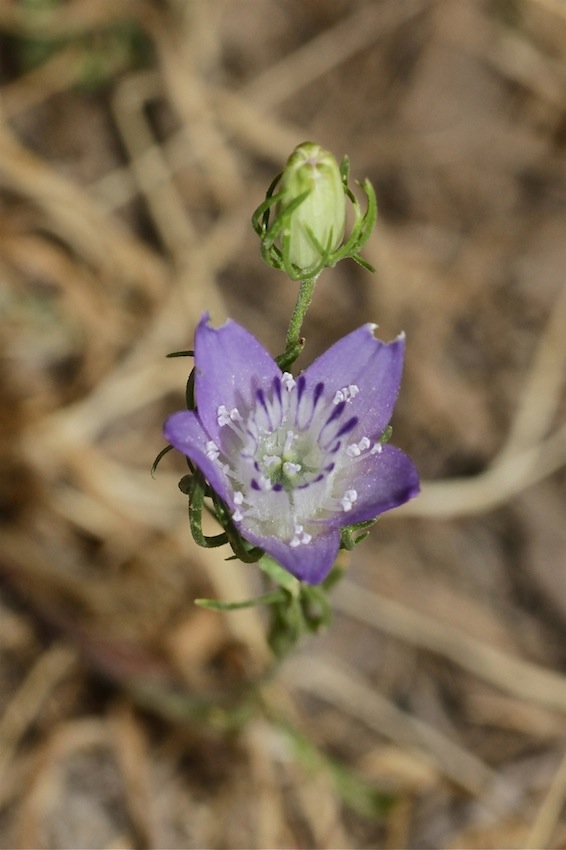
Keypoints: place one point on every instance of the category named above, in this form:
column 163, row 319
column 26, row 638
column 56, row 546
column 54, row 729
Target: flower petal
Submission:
column 230, row 365
column 372, row 366
column 383, row 481
column 309, row 562
column 186, row 434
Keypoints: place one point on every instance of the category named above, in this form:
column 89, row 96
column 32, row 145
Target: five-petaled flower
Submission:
column 295, row 459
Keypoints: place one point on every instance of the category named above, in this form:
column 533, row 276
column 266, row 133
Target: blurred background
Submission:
column 136, row 139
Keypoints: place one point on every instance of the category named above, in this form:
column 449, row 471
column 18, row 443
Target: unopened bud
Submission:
column 314, row 228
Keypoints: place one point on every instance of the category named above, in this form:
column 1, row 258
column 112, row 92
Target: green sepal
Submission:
column 181, row 354
column 249, row 555
column 350, row 535
column 190, row 391
column 161, row 454
column 196, row 492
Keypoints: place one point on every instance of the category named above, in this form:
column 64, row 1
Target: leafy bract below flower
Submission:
column 296, row 459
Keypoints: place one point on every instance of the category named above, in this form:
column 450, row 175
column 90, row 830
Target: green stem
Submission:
column 294, row 342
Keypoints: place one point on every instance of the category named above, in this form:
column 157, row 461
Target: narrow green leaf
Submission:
column 217, row 605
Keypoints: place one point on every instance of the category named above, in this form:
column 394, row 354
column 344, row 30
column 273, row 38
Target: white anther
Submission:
column 271, row 460
column 290, row 468
column 377, row 449
column 225, row 416
column 301, row 537
column 346, row 394
column 237, row 515
column 355, row 449
column 288, row 381
column 350, row 496
column 212, row 451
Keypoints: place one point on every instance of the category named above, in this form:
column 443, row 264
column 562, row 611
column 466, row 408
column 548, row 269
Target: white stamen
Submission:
column 237, row 515
column 225, row 416
column 301, row 537
column 290, row 468
column 291, row 437
column 377, row 449
column 271, row 460
column 288, row 381
column 355, row 449
column 346, row 394
column 212, row 451
column 350, row 496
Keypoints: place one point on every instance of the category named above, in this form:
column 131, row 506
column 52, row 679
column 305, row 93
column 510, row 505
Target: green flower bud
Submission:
column 313, row 226
column 301, row 222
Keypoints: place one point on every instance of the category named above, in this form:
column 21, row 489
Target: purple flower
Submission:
column 296, row 459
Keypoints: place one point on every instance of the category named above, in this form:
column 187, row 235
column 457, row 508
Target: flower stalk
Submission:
column 294, row 342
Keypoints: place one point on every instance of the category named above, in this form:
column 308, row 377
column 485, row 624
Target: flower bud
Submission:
column 315, row 227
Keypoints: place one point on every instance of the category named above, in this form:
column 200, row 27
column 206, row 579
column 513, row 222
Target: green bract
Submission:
column 306, row 233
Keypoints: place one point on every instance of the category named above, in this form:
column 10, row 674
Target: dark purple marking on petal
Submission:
column 315, row 398
column 318, row 391
column 336, row 413
column 347, row 427
column 260, row 396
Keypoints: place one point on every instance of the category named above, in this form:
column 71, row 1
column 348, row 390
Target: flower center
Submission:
column 289, row 458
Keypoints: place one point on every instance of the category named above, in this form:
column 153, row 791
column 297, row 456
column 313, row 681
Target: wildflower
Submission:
column 295, row 459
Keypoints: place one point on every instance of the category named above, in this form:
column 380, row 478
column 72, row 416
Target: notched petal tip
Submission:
column 206, row 322
column 371, row 327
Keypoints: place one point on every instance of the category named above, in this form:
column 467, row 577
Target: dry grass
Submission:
column 136, row 138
